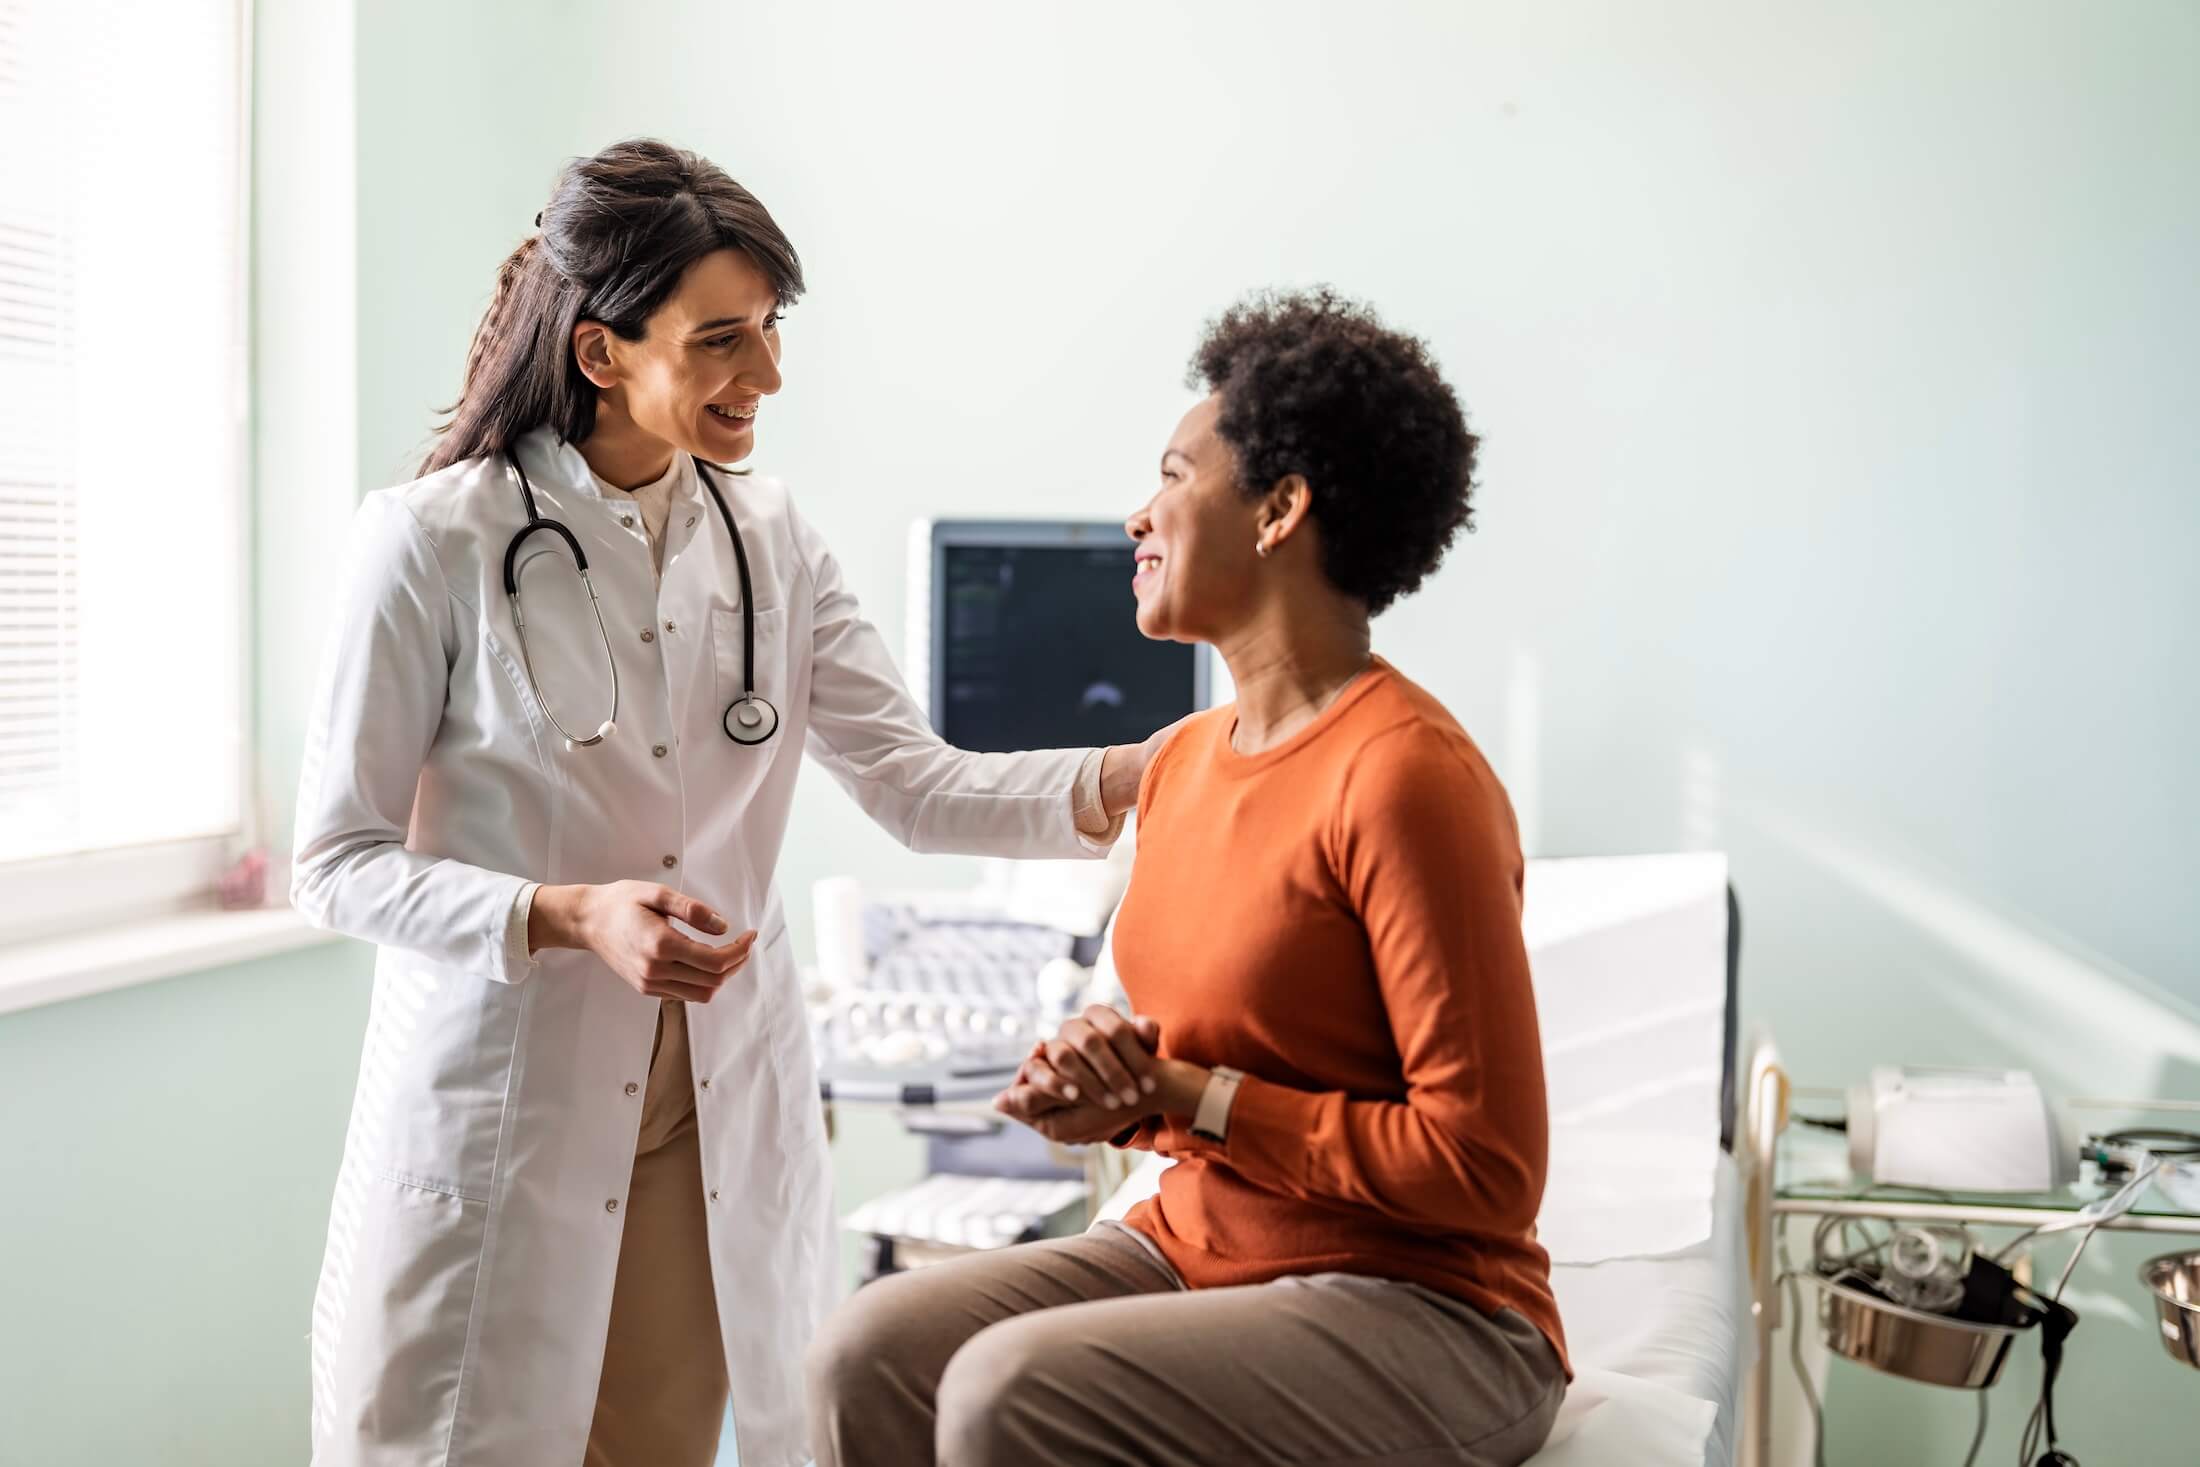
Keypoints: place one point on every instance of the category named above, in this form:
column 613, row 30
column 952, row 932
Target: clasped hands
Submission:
column 1100, row 1074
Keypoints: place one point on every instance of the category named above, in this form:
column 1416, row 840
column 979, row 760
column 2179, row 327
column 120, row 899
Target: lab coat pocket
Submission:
column 438, row 1064
column 399, row 1355
column 731, row 679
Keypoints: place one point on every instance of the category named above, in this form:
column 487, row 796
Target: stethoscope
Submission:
column 748, row 719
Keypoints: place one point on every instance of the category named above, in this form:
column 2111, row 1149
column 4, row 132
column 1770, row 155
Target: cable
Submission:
column 2029, row 1442
column 2031, row 1437
column 1829, row 1264
column 2157, row 1142
column 2072, row 1266
column 1978, row 1437
column 2089, row 1218
column 2094, row 1213
column 1793, row 1294
column 1802, row 1376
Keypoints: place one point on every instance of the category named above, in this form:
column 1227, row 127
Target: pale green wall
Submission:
column 1835, row 372
column 168, row 1153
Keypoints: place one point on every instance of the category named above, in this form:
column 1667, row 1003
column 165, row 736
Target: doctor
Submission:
column 584, row 1190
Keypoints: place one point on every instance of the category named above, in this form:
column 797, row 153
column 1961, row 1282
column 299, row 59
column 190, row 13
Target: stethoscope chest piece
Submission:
column 751, row 720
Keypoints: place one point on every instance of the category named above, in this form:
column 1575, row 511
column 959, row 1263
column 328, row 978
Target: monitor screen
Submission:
column 1036, row 644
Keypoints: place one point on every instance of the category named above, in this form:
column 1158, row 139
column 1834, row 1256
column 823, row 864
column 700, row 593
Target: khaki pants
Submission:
column 662, row 1399
column 1082, row 1351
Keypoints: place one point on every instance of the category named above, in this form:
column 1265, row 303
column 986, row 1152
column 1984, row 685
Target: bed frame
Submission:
column 1753, row 1099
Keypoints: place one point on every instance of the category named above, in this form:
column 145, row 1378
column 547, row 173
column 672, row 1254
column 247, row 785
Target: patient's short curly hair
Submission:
column 1314, row 384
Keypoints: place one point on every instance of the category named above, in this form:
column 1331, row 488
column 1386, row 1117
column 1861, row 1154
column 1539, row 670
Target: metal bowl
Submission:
column 1931, row 1348
column 2174, row 1281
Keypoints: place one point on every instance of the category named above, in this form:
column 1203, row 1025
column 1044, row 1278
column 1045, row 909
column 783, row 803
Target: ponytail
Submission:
column 490, row 333
column 511, row 384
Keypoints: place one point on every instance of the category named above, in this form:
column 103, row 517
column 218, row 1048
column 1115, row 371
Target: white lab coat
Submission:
column 465, row 1293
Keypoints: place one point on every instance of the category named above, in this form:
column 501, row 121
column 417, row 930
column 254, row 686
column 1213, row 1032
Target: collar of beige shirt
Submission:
column 653, row 502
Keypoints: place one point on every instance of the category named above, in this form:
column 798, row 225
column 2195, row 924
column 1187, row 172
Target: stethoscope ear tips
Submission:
column 607, row 729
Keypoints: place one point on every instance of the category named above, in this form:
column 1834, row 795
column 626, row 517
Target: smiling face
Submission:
column 706, row 360
column 1195, row 565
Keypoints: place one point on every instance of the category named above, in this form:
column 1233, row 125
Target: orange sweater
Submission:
column 1339, row 917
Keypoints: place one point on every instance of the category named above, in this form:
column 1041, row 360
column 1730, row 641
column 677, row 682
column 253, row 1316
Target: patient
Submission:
column 1335, row 1036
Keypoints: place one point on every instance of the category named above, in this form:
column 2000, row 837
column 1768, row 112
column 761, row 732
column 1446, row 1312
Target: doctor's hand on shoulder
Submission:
column 1123, row 767
column 628, row 924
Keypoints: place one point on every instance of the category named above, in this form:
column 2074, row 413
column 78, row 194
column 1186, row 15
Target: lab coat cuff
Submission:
column 518, row 960
column 1088, row 810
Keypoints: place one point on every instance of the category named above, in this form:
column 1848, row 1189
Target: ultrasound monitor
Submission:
column 1027, row 636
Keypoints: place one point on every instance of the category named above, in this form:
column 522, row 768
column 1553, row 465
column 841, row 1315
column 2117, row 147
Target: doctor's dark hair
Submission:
column 1314, row 384
column 620, row 230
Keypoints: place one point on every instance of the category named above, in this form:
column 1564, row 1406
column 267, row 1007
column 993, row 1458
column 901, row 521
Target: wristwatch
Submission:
column 1212, row 1121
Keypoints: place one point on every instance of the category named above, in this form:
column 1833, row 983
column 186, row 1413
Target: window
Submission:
column 122, row 453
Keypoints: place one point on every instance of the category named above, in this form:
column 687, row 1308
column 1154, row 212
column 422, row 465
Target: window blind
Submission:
column 122, row 452
column 39, row 707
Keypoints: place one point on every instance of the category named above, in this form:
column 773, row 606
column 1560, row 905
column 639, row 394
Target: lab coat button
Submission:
column 627, row 520
column 706, row 1084
column 632, row 1088
column 670, row 862
column 612, row 1205
column 648, row 635
column 714, row 1194
column 670, row 629
column 659, row 750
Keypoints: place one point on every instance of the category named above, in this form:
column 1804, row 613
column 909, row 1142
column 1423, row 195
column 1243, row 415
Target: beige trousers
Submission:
column 662, row 1399
column 1082, row 1351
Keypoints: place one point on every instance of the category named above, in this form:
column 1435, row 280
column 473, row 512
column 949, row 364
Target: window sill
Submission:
column 58, row 969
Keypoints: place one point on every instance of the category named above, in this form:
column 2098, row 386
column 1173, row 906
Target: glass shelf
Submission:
column 1812, row 1175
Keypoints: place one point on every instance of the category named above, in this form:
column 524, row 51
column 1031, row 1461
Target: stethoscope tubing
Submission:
column 747, row 720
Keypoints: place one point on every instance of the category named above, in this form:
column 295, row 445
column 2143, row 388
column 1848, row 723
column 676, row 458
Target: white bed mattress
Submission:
column 1659, row 1348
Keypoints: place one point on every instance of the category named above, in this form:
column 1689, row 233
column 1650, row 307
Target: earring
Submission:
column 1261, row 548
